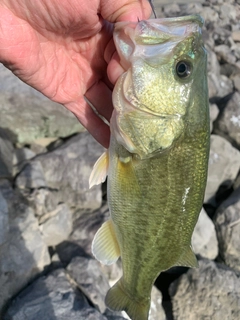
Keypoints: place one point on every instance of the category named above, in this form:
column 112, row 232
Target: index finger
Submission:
column 125, row 10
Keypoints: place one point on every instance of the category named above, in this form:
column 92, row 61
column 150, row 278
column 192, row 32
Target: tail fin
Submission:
column 117, row 300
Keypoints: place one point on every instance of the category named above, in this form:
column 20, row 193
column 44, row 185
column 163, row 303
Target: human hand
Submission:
column 62, row 48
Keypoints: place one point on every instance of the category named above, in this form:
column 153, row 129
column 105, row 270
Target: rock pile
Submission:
column 48, row 216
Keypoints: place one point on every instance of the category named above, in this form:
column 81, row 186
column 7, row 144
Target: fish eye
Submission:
column 183, row 69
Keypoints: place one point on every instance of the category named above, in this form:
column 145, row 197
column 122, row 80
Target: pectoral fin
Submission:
column 100, row 170
column 188, row 259
column 105, row 246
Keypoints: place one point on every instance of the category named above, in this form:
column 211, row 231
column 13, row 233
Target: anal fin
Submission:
column 105, row 246
column 188, row 259
column 100, row 170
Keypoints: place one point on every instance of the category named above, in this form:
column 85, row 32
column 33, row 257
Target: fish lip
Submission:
column 129, row 35
column 193, row 18
column 190, row 24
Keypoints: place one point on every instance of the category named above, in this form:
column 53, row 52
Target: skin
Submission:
column 65, row 50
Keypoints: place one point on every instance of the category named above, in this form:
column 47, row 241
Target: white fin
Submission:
column 188, row 259
column 100, row 170
column 105, row 246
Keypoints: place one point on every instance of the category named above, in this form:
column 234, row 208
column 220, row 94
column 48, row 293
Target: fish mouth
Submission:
column 155, row 36
column 155, row 31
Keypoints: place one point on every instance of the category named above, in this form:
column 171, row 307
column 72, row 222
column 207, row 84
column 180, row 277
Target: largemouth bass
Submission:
column 158, row 156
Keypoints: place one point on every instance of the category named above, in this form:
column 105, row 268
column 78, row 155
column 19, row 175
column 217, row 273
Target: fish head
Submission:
column 165, row 70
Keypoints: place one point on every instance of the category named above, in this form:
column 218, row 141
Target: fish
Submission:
column 157, row 160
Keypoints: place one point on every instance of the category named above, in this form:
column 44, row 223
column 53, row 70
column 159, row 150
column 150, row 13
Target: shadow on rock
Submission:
column 23, row 253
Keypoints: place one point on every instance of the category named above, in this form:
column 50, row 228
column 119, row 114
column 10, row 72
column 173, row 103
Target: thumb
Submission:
column 125, row 10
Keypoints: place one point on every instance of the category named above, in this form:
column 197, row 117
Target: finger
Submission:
column 114, row 69
column 101, row 98
column 125, row 10
column 109, row 51
column 88, row 118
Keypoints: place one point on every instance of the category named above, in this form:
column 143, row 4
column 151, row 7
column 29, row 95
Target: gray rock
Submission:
column 212, row 85
column 214, row 111
column 4, row 226
column 43, row 200
column 86, row 225
column 43, row 145
column 219, row 86
column 52, row 298
column 90, row 314
column 69, row 249
column 6, row 155
column 20, row 157
column 235, row 47
column 213, row 65
column 166, row 8
column 215, row 2
column 31, row 176
column 55, row 260
column 171, row 9
column 39, row 117
column 163, row 2
column 56, row 225
column 156, row 310
column 227, row 13
column 210, row 292
column 204, row 239
column 67, row 170
column 228, row 123
column 222, row 33
column 236, row 35
column 228, row 70
column 225, row 54
column 236, row 81
column 37, row 148
column 24, row 254
column 111, row 315
column 237, row 183
column 192, row 7
column 6, row 190
column 90, row 279
column 113, row 272
column 209, row 14
column 227, row 222
column 224, row 164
